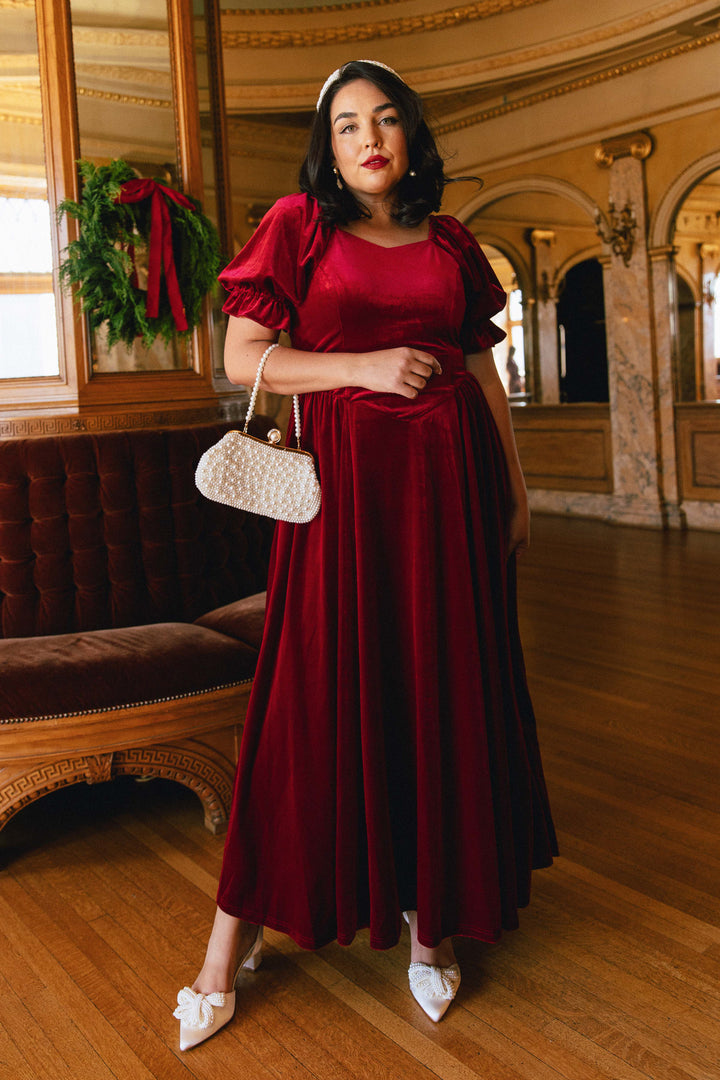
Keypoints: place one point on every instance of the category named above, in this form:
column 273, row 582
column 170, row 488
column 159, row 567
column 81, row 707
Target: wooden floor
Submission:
column 106, row 894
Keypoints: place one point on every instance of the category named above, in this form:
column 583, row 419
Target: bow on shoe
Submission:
column 195, row 1010
column 434, row 981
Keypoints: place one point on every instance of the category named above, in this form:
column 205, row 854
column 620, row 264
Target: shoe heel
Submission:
column 253, row 960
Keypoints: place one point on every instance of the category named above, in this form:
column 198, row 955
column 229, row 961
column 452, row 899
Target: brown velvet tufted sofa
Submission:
column 130, row 615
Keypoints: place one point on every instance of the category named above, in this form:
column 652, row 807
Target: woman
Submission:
column 389, row 761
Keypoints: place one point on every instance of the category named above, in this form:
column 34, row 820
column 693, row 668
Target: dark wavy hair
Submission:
column 415, row 196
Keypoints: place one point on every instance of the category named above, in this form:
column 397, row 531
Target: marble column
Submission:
column 637, row 497
column 548, row 366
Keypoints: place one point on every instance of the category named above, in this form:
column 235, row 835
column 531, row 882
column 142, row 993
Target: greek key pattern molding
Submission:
column 576, row 84
column 49, row 776
column 210, row 782
column 208, row 779
column 31, row 426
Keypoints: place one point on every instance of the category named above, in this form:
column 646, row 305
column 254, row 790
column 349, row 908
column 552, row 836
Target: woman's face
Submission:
column 368, row 142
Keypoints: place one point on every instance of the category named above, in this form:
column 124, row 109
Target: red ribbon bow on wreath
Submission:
column 160, row 254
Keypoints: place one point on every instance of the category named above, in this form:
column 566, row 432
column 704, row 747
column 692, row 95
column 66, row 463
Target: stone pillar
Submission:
column 634, row 417
column 548, row 366
column 708, row 255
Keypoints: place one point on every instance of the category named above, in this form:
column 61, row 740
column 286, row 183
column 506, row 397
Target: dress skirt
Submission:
column 389, row 759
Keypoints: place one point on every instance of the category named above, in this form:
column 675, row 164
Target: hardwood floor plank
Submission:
column 107, row 893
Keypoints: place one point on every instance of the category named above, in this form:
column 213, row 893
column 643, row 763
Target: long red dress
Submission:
column 389, row 759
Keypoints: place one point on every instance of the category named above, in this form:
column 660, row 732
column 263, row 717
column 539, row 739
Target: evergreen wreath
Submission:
column 101, row 261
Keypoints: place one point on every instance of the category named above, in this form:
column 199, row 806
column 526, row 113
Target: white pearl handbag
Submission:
column 261, row 477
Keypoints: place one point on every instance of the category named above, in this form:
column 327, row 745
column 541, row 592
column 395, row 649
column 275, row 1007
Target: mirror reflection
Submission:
column 126, row 110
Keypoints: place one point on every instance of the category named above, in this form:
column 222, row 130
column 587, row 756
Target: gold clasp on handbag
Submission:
column 274, row 436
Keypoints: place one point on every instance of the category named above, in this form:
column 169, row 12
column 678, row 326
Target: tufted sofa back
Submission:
column 105, row 530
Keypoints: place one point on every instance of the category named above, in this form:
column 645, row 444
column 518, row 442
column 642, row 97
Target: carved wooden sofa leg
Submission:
column 39, row 757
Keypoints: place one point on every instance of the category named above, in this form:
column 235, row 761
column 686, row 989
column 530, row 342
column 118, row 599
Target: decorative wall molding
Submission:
column 98, row 35
column 521, row 185
column 142, row 75
column 32, row 426
column 125, row 99
column 583, row 83
column 11, row 118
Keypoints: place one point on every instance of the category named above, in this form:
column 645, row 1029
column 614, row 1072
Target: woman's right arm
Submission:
column 403, row 371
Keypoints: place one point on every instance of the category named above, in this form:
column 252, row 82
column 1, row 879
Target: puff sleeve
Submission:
column 484, row 294
column 267, row 279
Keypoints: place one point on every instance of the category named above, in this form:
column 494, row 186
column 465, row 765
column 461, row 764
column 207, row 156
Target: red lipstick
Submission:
column 376, row 162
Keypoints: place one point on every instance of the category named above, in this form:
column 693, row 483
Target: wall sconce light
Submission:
column 620, row 233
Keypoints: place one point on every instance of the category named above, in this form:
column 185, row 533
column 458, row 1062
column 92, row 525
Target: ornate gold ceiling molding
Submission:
column 92, row 35
column 321, row 9
column 124, row 99
column 331, row 9
column 19, row 61
column 338, row 35
column 478, row 68
column 240, row 128
column 121, row 73
column 577, row 84
column 12, row 118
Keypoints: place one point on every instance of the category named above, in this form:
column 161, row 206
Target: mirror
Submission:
column 126, row 110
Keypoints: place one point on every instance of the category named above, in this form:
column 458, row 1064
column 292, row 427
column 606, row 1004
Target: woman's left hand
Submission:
column 518, row 533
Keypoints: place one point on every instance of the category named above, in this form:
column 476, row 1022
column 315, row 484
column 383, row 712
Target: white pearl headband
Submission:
column 338, row 71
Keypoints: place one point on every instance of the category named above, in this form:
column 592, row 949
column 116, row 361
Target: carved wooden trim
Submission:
column 210, row 774
column 30, row 426
column 211, row 778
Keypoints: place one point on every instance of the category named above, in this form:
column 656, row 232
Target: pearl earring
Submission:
column 412, row 173
column 338, row 181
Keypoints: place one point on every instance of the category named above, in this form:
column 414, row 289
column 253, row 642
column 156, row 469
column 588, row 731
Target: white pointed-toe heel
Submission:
column 202, row 1015
column 434, row 988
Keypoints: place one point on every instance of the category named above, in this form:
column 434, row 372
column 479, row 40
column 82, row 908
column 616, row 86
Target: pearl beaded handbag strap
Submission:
column 256, row 387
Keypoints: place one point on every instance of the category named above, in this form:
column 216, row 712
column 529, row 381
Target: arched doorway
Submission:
column 696, row 240
column 581, row 326
column 687, row 359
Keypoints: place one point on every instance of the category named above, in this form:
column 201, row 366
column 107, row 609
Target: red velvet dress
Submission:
column 389, row 759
